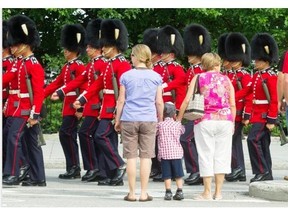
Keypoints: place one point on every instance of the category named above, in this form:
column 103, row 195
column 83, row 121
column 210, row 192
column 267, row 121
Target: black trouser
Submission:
column 87, row 145
column 237, row 148
column 13, row 132
column 259, row 139
column 17, row 136
column 107, row 139
column 34, row 154
column 189, row 146
column 68, row 140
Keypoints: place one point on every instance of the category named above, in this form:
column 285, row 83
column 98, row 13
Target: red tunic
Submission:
column 159, row 67
column 92, row 72
column 262, row 111
column 70, row 70
column 243, row 78
column 7, row 63
column 192, row 71
column 178, row 81
column 19, row 104
column 119, row 65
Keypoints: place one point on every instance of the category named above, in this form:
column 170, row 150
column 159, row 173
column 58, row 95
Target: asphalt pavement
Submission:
column 74, row 193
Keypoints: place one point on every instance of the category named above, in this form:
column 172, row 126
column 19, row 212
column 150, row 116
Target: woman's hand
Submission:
column 117, row 126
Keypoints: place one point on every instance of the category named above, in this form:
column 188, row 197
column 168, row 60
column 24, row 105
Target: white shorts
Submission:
column 214, row 146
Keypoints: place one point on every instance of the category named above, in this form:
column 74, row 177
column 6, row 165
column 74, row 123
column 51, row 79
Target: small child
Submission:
column 170, row 151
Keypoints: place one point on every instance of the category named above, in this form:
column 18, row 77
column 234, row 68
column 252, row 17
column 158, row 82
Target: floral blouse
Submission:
column 216, row 90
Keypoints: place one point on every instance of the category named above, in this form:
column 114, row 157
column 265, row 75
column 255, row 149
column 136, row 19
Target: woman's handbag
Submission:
column 195, row 108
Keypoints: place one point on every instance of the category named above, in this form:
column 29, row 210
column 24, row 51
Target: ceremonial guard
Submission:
column 264, row 105
column 73, row 42
column 150, row 37
column 89, row 150
column 197, row 41
column 114, row 41
column 170, row 46
column 26, row 95
column 238, row 53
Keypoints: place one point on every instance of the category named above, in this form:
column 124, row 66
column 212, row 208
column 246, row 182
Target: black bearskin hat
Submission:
column 237, row 48
column 197, row 40
column 4, row 34
column 221, row 46
column 73, row 37
column 264, row 47
column 170, row 41
column 93, row 33
column 114, row 33
column 150, row 38
column 22, row 30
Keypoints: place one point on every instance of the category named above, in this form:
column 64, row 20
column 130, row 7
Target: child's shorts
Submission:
column 172, row 168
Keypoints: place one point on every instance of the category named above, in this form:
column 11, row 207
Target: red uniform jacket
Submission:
column 262, row 111
column 92, row 72
column 7, row 63
column 178, row 83
column 72, row 68
column 243, row 78
column 19, row 104
column 159, row 67
column 192, row 71
column 119, row 65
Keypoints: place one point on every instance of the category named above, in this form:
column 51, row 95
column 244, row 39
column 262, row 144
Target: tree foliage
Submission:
column 247, row 21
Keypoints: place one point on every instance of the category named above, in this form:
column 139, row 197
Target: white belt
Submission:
column 23, row 95
column 20, row 95
column 73, row 93
column 167, row 94
column 260, row 102
column 14, row 91
column 108, row 91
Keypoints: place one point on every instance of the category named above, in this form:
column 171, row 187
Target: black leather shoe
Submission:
column 11, row 180
column 104, row 182
column 73, row 173
column 153, row 173
column 34, row 183
column 262, row 177
column 119, row 175
column 237, row 174
column 90, row 175
column 107, row 182
column 23, row 172
column 194, row 179
column 158, row 178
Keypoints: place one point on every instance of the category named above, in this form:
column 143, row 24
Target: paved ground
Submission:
column 74, row 193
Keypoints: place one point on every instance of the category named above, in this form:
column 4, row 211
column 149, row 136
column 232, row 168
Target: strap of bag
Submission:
column 196, row 90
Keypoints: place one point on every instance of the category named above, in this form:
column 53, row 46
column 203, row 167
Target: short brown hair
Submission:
column 210, row 60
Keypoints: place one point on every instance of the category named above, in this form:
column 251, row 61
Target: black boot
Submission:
column 237, row 174
column 73, row 173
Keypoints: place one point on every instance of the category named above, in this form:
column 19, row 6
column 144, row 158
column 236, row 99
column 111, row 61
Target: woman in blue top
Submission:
column 139, row 108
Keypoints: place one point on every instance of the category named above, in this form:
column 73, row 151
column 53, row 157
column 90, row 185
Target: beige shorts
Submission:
column 138, row 136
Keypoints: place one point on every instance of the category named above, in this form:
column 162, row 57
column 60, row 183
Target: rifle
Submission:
column 41, row 140
column 72, row 75
column 114, row 83
column 169, row 80
column 95, row 78
column 282, row 135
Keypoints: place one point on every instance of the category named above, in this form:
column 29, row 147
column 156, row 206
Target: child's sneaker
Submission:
column 179, row 195
column 168, row 196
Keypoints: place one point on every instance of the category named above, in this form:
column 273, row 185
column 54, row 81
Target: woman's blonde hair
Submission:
column 210, row 60
column 143, row 53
